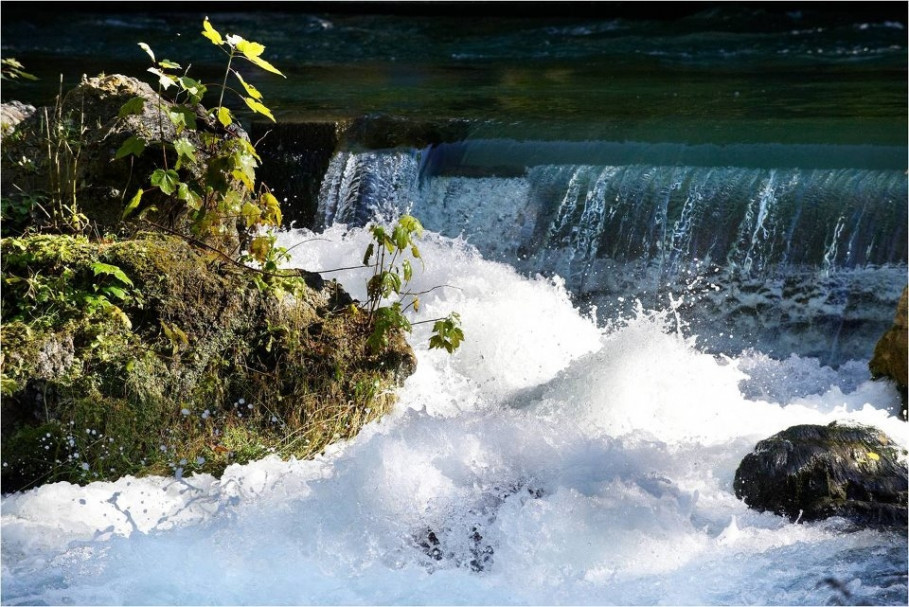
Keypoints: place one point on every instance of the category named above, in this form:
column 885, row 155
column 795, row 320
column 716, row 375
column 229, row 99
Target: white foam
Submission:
column 570, row 463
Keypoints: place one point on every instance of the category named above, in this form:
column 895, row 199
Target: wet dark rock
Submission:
column 812, row 472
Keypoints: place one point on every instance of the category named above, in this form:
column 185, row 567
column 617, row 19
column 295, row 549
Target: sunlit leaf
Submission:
column 192, row 200
column 249, row 48
column 211, row 33
column 250, row 89
column 225, row 117
column 148, row 50
column 265, row 65
column 164, row 80
column 259, row 108
column 272, row 209
column 132, row 204
column 168, row 64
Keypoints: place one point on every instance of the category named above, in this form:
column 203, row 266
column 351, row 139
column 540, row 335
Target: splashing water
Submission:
column 550, row 460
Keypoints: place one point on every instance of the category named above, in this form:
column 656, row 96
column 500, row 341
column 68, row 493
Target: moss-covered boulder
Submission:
column 150, row 356
column 811, row 472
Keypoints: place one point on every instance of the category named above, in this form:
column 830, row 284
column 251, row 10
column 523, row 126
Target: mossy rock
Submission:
column 147, row 356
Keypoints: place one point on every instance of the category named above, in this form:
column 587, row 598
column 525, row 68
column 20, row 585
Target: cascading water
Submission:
column 764, row 257
column 711, row 267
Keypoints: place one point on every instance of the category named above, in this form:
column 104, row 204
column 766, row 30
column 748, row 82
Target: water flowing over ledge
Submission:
column 773, row 258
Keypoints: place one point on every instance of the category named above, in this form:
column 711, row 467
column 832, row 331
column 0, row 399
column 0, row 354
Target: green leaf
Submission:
column 192, row 200
column 259, row 108
column 133, row 106
column 185, row 151
column 166, row 181
column 369, row 251
column 211, row 33
column 131, row 206
column 182, row 117
column 133, row 145
column 195, row 88
column 408, row 270
column 168, row 64
column 400, row 237
column 225, row 117
column 447, row 334
column 115, row 292
column 111, row 270
column 148, row 50
column 250, row 89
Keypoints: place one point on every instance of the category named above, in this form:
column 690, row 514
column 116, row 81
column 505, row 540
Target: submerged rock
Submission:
column 891, row 354
column 812, row 472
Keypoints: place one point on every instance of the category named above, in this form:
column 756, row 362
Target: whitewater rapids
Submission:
column 551, row 460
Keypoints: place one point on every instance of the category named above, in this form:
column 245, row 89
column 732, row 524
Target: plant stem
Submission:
column 230, row 58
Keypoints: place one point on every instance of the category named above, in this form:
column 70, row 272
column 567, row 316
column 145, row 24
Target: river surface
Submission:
column 667, row 239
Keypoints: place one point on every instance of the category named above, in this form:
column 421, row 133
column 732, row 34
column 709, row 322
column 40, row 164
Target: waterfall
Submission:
column 819, row 251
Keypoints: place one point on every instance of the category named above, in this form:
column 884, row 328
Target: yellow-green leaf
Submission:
column 249, row 48
column 250, row 214
column 250, row 89
column 259, row 108
column 243, row 177
column 265, row 65
column 225, row 117
column 131, row 206
column 211, row 33
column 272, row 209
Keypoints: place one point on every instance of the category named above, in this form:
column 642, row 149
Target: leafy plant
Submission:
column 392, row 273
column 12, row 69
column 209, row 169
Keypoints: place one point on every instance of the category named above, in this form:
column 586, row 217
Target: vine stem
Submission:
column 230, row 58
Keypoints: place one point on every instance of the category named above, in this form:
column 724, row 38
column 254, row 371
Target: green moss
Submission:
column 185, row 366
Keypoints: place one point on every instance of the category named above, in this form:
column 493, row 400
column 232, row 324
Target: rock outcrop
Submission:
column 891, row 354
column 812, row 472
column 149, row 347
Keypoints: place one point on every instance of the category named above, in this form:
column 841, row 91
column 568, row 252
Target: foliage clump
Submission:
column 130, row 357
